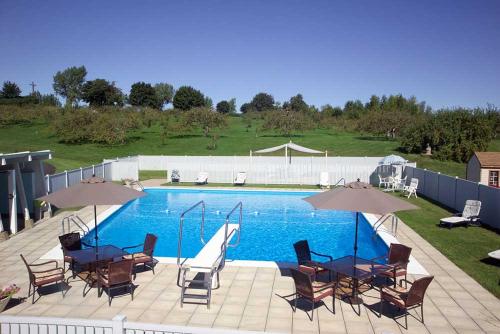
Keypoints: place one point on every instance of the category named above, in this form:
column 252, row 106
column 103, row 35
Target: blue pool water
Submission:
column 272, row 222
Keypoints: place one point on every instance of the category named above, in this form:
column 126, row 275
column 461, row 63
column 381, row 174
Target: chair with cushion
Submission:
column 311, row 290
column 42, row 277
column 117, row 275
column 469, row 215
column 145, row 257
column 404, row 298
column 397, row 259
column 305, row 262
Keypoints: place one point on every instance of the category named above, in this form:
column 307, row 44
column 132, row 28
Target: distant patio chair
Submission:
column 399, row 184
column 175, row 176
column 469, row 216
column 324, row 180
column 406, row 298
column 305, row 262
column 146, row 256
column 398, row 259
column 384, row 181
column 411, row 189
column 311, row 290
column 70, row 242
column 40, row 278
column 240, row 179
column 117, row 275
column 202, row 178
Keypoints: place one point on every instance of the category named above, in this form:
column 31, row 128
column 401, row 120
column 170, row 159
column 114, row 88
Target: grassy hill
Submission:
column 234, row 140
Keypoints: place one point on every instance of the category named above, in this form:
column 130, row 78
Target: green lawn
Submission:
column 468, row 248
column 234, row 140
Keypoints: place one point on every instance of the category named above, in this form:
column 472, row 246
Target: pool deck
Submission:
column 250, row 298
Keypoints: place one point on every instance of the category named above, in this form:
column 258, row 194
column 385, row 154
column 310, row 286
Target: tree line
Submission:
column 452, row 133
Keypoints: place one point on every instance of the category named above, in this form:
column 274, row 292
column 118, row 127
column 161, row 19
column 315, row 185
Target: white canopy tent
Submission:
column 288, row 150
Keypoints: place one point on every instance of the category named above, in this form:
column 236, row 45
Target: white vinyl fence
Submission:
column 66, row 179
column 119, row 325
column 452, row 192
column 263, row 169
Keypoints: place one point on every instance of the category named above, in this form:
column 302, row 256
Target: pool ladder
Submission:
column 74, row 219
column 206, row 282
column 380, row 222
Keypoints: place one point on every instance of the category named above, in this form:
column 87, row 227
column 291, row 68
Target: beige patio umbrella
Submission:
column 93, row 191
column 358, row 197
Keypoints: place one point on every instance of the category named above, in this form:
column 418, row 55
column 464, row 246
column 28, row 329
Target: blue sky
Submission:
column 444, row 52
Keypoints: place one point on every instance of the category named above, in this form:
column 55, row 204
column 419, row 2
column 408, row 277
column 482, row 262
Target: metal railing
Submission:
column 75, row 220
column 138, row 184
column 338, row 182
column 181, row 224
column 382, row 220
column 240, row 219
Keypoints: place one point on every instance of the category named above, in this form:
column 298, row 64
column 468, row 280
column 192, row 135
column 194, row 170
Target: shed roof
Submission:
column 488, row 159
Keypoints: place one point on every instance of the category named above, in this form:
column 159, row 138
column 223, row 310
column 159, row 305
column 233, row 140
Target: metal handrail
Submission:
column 382, row 220
column 240, row 219
column 75, row 219
column 181, row 223
column 137, row 183
column 341, row 179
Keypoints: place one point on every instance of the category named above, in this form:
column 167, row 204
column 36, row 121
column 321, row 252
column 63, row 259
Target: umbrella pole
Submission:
column 96, row 237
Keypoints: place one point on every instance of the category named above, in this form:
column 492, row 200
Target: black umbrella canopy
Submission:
column 93, row 191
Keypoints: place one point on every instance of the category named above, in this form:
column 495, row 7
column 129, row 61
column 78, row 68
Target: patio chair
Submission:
column 411, row 189
column 399, row 184
column 311, row 290
column 324, row 180
column 70, row 242
column 469, row 216
column 305, row 262
column 40, row 278
column 240, row 179
column 384, row 181
column 398, row 259
column 146, row 256
column 175, row 176
column 117, row 275
column 406, row 298
column 202, row 178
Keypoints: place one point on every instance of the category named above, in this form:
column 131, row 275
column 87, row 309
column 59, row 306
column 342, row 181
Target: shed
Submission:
column 484, row 168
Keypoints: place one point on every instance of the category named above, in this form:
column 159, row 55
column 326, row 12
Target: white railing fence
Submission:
column 119, row 325
column 452, row 192
column 66, row 179
column 263, row 169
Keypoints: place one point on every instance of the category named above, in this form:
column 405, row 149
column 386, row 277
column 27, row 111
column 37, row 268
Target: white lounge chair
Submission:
column 412, row 188
column 324, row 180
column 400, row 184
column 470, row 215
column 240, row 179
column 202, row 178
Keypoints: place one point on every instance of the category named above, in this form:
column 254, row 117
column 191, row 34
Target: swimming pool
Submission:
column 272, row 222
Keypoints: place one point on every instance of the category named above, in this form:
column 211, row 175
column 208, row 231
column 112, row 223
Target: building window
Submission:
column 493, row 178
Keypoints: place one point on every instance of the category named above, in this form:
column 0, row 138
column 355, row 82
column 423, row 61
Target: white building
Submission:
column 484, row 167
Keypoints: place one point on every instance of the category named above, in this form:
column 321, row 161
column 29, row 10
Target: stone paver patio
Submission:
column 250, row 297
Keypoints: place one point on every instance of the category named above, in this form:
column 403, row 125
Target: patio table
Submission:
column 358, row 269
column 87, row 258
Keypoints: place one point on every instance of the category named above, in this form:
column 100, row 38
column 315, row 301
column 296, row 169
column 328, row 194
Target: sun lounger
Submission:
column 495, row 254
column 202, row 178
column 324, row 180
column 384, row 181
column 412, row 188
column 469, row 216
column 240, row 179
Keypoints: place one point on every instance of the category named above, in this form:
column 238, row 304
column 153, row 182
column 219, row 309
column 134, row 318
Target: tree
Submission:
column 10, row 90
column 263, row 101
column 143, row 94
column 287, row 121
column 232, row 106
column 223, row 107
column 296, row 103
column 354, row 109
column 329, row 111
column 164, row 93
column 204, row 118
column 246, row 107
column 69, row 83
column 187, row 98
column 100, row 92
column 209, row 103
